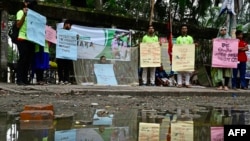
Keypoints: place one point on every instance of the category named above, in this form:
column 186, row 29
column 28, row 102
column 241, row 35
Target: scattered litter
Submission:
column 94, row 104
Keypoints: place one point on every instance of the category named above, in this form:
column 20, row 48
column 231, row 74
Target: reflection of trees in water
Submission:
column 202, row 125
column 119, row 134
column 202, row 133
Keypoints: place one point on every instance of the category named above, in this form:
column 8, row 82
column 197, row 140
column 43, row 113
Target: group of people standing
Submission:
column 183, row 39
column 158, row 76
column 34, row 58
column 227, row 73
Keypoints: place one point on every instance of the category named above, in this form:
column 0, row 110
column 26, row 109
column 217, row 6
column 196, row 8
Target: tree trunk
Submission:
column 3, row 45
column 152, row 4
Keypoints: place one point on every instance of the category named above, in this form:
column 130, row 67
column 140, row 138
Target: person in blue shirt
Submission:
column 161, row 77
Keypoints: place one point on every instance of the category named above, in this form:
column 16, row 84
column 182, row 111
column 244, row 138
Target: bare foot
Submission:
column 225, row 88
column 220, row 88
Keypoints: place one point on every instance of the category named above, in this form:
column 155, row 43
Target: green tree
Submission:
column 190, row 11
column 201, row 13
column 212, row 19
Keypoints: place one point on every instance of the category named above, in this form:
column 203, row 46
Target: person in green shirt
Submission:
column 26, row 48
column 184, row 38
column 150, row 37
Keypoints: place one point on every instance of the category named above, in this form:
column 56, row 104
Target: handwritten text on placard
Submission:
column 183, row 57
column 149, row 132
column 36, row 24
column 182, row 131
column 105, row 74
column 225, row 53
column 66, row 45
column 150, row 55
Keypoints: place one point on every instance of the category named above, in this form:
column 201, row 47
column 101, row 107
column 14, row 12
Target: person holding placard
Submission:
column 242, row 59
column 184, row 38
column 64, row 65
column 226, row 73
column 150, row 37
column 25, row 47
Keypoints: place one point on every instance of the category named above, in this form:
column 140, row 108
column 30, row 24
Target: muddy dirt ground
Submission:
column 74, row 99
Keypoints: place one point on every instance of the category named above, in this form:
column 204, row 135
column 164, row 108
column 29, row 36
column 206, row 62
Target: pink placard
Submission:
column 225, row 53
column 217, row 133
column 50, row 34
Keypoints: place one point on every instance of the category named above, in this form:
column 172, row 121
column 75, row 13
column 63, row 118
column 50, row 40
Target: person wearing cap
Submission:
column 25, row 48
column 226, row 72
column 64, row 65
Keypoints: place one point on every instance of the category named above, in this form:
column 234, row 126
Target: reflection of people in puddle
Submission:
column 101, row 129
column 102, row 113
column 123, row 135
column 114, row 135
column 12, row 133
column 119, row 134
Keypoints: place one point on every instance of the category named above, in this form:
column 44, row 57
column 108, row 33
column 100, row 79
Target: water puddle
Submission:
column 123, row 125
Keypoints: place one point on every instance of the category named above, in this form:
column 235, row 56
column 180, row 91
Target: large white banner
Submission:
column 92, row 43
